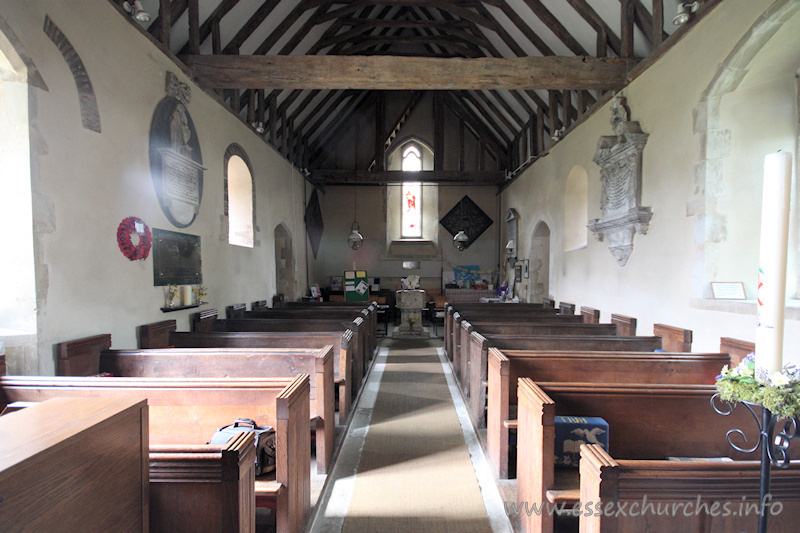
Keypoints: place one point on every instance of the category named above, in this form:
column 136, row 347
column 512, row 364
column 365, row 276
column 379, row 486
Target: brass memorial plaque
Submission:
column 176, row 258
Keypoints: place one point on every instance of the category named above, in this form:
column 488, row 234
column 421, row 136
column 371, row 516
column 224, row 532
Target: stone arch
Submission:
column 284, row 262
column 708, row 185
column 24, row 273
column 539, row 264
column 394, row 158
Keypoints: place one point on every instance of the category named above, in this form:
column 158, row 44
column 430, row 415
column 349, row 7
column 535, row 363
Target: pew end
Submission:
column 674, row 339
column 81, row 357
column 738, row 349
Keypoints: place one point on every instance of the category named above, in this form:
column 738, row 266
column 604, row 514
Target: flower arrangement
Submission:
column 172, row 295
column 201, row 292
column 778, row 392
column 411, row 321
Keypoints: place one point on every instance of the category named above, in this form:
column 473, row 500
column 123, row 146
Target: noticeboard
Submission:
column 356, row 286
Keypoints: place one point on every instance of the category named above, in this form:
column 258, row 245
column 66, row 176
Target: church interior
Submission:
column 431, row 244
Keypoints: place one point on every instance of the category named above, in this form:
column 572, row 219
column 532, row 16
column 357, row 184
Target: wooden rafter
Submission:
column 401, row 73
column 375, row 177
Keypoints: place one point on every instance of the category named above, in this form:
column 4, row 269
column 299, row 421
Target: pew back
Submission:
column 702, row 496
column 341, row 341
column 647, row 371
column 478, row 354
column 190, row 410
column 241, row 363
column 646, row 422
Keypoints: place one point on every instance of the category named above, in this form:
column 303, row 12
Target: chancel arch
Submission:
column 284, row 262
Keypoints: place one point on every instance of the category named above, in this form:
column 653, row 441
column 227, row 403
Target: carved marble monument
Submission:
column 620, row 160
column 176, row 163
column 410, row 303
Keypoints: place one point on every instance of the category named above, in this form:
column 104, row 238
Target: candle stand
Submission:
column 774, row 447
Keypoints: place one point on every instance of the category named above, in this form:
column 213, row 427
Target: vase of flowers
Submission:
column 200, row 292
column 172, row 296
column 411, row 321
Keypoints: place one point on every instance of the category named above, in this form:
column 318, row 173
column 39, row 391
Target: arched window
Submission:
column 411, row 210
column 412, row 159
column 239, row 192
column 411, row 213
column 411, row 196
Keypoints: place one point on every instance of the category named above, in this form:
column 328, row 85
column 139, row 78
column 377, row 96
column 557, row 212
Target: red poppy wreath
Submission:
column 126, row 246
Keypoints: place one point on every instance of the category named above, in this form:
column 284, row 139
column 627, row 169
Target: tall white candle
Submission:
column 772, row 261
column 186, row 294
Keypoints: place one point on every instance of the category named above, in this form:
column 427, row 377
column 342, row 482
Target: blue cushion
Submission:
column 572, row 431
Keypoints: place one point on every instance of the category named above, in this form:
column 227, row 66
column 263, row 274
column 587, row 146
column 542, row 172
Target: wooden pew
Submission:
column 368, row 313
column 259, row 305
column 203, row 488
column 86, row 471
column 702, row 492
column 372, row 308
column 565, row 308
column 235, row 311
column 646, row 422
column 207, row 321
column 461, row 360
column 512, row 328
column 521, row 318
column 478, row 354
column 590, row 315
column 508, row 366
column 675, row 339
column 242, row 363
column 472, row 310
column 357, row 326
column 188, row 411
column 738, row 349
column 626, row 325
column 163, row 334
column 81, row 357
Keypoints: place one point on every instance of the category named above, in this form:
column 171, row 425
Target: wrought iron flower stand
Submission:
column 774, row 447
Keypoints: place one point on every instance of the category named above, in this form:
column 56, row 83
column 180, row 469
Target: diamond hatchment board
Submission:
column 467, row 216
column 313, row 219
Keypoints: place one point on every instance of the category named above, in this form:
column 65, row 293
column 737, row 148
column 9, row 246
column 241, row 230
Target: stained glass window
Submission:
column 412, row 210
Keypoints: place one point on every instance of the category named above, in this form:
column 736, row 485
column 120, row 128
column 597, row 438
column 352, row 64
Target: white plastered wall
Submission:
column 657, row 283
column 92, row 181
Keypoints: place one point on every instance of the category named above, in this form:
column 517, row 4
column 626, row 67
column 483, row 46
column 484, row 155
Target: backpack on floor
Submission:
column 264, row 437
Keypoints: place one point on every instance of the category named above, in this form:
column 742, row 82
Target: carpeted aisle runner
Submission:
column 415, row 473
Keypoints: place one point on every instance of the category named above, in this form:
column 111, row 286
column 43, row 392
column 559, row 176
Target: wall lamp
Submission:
column 460, row 241
column 510, row 251
column 685, row 10
column 136, row 10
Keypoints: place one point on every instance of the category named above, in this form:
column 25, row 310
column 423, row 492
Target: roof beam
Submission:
column 402, row 73
column 366, row 177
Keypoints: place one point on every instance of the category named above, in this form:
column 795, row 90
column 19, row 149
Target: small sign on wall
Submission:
column 728, row 290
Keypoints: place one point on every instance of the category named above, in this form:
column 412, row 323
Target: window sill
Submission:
column 743, row 307
column 409, row 248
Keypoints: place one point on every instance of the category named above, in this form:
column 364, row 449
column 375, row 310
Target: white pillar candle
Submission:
column 772, row 261
column 186, row 294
